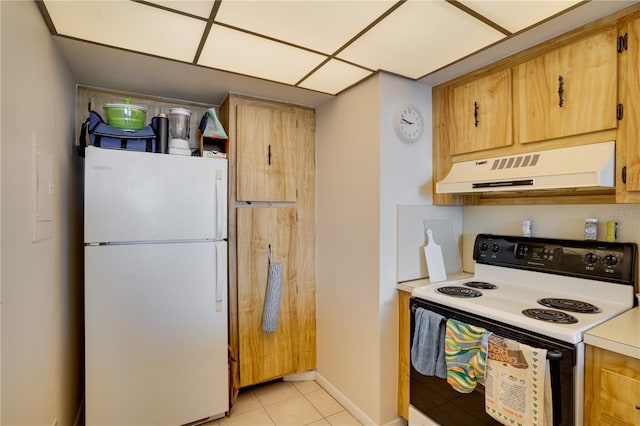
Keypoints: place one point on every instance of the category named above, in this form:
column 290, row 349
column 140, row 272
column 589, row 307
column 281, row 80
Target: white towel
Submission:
column 272, row 298
column 517, row 383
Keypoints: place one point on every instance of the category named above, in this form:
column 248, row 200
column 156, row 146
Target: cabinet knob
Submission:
column 637, row 407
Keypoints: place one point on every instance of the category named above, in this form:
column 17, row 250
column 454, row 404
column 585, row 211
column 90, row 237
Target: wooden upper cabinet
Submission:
column 628, row 148
column 266, row 153
column 481, row 114
column 570, row 90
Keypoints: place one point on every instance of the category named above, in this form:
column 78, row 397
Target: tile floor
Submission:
column 286, row 403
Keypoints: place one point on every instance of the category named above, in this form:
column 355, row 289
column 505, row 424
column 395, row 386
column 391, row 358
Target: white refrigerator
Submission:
column 155, row 229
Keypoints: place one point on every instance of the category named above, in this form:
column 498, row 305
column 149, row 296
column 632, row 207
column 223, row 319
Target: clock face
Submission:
column 408, row 123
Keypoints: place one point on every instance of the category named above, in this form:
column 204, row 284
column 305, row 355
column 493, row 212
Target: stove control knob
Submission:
column 484, row 246
column 610, row 260
column 590, row 258
column 495, row 247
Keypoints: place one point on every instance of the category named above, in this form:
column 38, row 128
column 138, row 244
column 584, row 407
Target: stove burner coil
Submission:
column 481, row 284
column 550, row 315
column 569, row 305
column 456, row 291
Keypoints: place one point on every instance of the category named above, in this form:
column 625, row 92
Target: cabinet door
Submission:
column 404, row 353
column 619, row 399
column 570, row 90
column 264, row 356
column 629, row 131
column 612, row 388
column 481, row 114
column 266, row 153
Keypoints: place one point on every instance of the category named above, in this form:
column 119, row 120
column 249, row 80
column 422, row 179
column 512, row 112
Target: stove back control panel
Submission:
column 596, row 260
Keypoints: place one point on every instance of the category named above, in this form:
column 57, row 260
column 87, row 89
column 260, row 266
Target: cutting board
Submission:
column 433, row 256
column 444, row 235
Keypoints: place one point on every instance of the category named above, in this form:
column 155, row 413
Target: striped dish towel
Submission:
column 465, row 348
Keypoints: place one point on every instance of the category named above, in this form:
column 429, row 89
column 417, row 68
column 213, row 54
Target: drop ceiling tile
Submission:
column 323, row 26
column 129, row 25
column 516, row 15
column 334, row 76
column 420, row 37
column 200, row 8
column 239, row 52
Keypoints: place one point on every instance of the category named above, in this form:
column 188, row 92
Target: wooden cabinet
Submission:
column 560, row 97
column 628, row 149
column 264, row 356
column 266, row 153
column 612, row 388
column 404, row 353
column 277, row 209
column 481, row 114
column 570, row 90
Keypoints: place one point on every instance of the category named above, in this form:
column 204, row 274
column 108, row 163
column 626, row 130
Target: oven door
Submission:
column 436, row 399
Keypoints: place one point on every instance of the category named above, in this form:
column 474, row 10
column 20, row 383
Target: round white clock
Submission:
column 408, row 123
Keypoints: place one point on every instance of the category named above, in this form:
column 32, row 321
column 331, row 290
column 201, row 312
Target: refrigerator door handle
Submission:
column 220, row 205
column 220, row 267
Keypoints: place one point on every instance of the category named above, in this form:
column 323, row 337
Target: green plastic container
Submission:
column 125, row 115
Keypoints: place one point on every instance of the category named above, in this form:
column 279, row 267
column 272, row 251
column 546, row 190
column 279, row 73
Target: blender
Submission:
column 179, row 126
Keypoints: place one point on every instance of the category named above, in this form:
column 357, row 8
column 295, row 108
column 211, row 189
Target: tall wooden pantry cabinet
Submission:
column 272, row 216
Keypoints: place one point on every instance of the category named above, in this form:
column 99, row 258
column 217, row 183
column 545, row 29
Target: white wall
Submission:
column 557, row 221
column 405, row 178
column 348, row 196
column 363, row 172
column 41, row 282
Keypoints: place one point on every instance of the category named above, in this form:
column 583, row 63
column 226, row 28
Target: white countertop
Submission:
column 410, row 285
column 620, row 334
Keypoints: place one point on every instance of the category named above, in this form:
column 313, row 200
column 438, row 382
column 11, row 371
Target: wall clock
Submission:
column 408, row 123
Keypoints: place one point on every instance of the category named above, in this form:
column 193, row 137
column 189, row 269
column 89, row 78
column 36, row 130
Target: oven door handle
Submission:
column 554, row 358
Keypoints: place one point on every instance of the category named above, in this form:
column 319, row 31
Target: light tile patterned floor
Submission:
column 286, row 403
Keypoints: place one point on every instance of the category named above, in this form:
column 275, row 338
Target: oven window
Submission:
column 435, row 398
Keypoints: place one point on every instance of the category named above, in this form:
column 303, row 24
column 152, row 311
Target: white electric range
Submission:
column 542, row 292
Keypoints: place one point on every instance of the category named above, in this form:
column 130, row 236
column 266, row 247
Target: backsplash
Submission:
column 549, row 221
column 412, row 221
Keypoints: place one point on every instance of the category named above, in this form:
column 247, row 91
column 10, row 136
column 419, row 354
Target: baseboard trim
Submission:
column 352, row 408
column 301, row 377
column 398, row 421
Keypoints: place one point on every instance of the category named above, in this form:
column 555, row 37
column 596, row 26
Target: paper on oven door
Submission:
column 435, row 262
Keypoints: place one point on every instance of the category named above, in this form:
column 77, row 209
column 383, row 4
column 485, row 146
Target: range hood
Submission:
column 586, row 166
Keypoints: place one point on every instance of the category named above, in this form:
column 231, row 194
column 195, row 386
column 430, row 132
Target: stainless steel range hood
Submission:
column 587, row 166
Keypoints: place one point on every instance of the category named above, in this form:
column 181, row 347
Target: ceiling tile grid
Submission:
column 128, row 25
column 518, row 15
column 325, row 46
column 323, row 26
column 334, row 76
column 419, row 37
column 243, row 53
